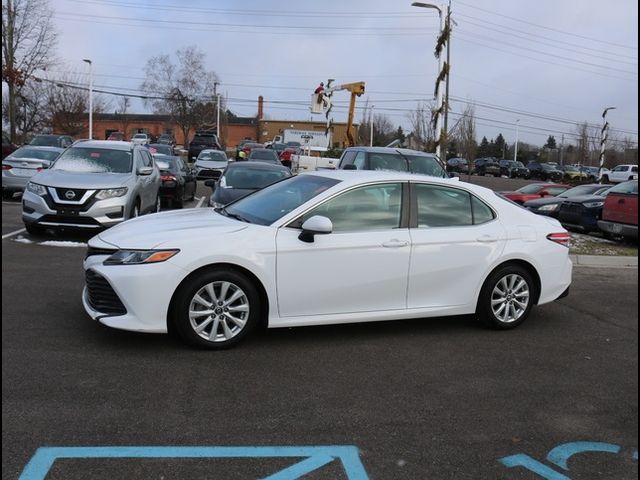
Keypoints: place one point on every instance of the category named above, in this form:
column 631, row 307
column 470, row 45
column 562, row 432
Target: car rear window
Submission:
column 250, row 178
column 94, row 160
column 203, row 140
column 49, row 155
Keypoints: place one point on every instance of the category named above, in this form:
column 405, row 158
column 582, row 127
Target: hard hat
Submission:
column 242, row 154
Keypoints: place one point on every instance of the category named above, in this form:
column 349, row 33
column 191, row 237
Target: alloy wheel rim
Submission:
column 219, row 311
column 510, row 298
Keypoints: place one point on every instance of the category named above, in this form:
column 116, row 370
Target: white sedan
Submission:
column 327, row 247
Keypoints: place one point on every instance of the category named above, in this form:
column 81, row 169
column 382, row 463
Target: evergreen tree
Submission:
column 500, row 147
column 483, row 149
column 551, row 143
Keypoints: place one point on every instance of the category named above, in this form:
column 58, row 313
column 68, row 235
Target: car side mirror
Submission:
column 316, row 225
column 145, row 171
column 350, row 166
column 210, row 183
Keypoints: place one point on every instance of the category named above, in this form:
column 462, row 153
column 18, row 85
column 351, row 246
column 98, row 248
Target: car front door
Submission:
column 455, row 237
column 361, row 266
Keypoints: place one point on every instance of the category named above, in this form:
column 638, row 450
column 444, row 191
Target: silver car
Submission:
column 19, row 166
column 92, row 185
column 211, row 164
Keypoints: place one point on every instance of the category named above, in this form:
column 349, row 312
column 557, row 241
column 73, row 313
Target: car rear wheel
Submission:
column 216, row 309
column 506, row 297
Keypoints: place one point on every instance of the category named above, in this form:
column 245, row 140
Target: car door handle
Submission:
column 395, row 244
column 487, row 239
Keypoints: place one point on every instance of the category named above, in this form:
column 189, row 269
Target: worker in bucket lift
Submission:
column 318, row 91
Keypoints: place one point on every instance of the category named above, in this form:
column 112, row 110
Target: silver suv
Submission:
column 92, row 185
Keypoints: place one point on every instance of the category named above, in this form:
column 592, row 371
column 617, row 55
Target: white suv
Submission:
column 621, row 173
column 140, row 139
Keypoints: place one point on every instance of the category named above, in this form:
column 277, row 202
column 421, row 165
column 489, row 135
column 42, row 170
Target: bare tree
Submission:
column 28, row 41
column 123, row 106
column 184, row 90
column 30, row 114
column 466, row 134
column 423, row 128
column 582, row 143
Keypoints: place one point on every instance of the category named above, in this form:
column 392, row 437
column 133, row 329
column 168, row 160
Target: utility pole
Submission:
column 603, row 139
column 515, row 151
column 86, row 60
column 562, row 150
column 371, row 127
column 215, row 93
column 446, row 92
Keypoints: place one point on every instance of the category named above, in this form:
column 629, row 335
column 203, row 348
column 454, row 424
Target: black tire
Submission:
column 34, row 229
column 197, row 284
column 7, row 194
column 605, row 179
column 485, row 309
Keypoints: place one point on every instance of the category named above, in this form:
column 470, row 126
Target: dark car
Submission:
column 60, row 141
column 457, row 165
column 242, row 178
column 178, row 181
column 545, row 171
column 513, row 169
column 277, row 147
column 591, row 173
column 7, row 145
column 395, row 159
column 202, row 141
column 486, row 166
column 167, row 139
column 583, row 212
column 162, row 149
column 550, row 206
column 620, row 212
column 264, row 155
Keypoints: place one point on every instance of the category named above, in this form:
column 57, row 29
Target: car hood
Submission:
column 169, row 228
column 228, row 195
column 539, row 202
column 210, row 164
column 586, row 198
column 66, row 179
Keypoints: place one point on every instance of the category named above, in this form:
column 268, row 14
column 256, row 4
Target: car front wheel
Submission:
column 216, row 309
column 506, row 297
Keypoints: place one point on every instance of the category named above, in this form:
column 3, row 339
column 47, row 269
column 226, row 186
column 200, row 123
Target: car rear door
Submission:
column 362, row 266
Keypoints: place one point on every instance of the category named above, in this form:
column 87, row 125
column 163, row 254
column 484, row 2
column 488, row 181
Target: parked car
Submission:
column 7, row 145
column 178, row 180
column 161, row 148
column 203, row 141
column 592, row 173
column 210, row 164
column 534, row 191
column 545, row 172
column 285, row 156
column 264, row 155
column 458, row 165
column 325, row 247
column 621, row 173
column 486, row 166
column 620, row 212
column 167, row 139
column 393, row 159
column 583, row 212
column 60, row 141
column 22, row 164
column 513, row 169
column 550, row 206
column 573, row 174
column 247, row 147
column 277, row 147
column 116, row 137
column 141, row 139
column 240, row 146
column 92, row 185
column 242, row 178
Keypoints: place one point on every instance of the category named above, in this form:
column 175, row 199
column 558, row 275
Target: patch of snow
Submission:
column 56, row 243
column 21, row 239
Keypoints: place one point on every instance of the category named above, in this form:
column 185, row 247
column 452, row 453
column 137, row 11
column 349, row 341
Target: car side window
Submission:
column 348, row 157
column 634, row 169
column 555, row 190
column 481, row 212
column 373, row 207
column 147, row 160
column 359, row 161
column 442, row 206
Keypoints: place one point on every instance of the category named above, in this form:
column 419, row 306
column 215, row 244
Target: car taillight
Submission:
column 168, row 178
column 6, row 167
column 563, row 239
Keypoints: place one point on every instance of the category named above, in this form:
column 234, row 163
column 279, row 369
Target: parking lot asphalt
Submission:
column 437, row 398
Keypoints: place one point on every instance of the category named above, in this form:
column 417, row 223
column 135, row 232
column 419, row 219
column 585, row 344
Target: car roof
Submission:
column 404, row 151
column 261, row 150
column 106, row 144
column 262, row 165
column 364, row 176
column 41, row 147
column 211, row 150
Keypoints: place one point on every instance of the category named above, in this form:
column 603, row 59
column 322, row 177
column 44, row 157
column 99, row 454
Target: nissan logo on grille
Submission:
column 69, row 194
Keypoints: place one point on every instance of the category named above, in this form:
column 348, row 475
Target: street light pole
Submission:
column 217, row 95
column 515, row 150
column 371, row 127
column 86, row 60
column 440, row 77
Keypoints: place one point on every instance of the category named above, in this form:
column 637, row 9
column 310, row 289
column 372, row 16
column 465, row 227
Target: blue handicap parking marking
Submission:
column 314, row 457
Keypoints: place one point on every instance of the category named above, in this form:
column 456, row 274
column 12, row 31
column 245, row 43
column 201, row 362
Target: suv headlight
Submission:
column 36, row 188
column 593, row 204
column 137, row 257
column 549, row 208
column 111, row 193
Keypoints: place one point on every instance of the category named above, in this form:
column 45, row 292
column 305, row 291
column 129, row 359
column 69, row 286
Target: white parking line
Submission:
column 13, row 233
column 200, row 201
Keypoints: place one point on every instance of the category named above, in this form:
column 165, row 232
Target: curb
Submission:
column 604, row 261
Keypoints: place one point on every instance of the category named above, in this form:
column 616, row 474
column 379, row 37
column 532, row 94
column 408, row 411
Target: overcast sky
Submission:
column 564, row 59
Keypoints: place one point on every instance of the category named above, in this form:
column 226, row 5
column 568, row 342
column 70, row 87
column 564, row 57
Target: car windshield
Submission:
column 263, row 155
column 570, row 168
column 626, row 187
column 534, row 188
column 140, row 135
column 45, row 140
column 166, row 163
column 49, row 155
column 94, row 160
column 580, row 190
column 519, row 165
column 548, row 167
column 213, row 156
column 423, row 164
column 203, row 140
column 275, row 201
column 251, row 178
column 162, row 149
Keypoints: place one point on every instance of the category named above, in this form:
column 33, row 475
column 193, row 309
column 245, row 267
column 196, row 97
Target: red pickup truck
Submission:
column 620, row 211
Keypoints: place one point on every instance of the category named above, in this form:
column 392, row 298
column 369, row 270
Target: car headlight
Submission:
column 137, row 257
column 111, row 193
column 549, row 208
column 593, row 204
column 36, row 188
